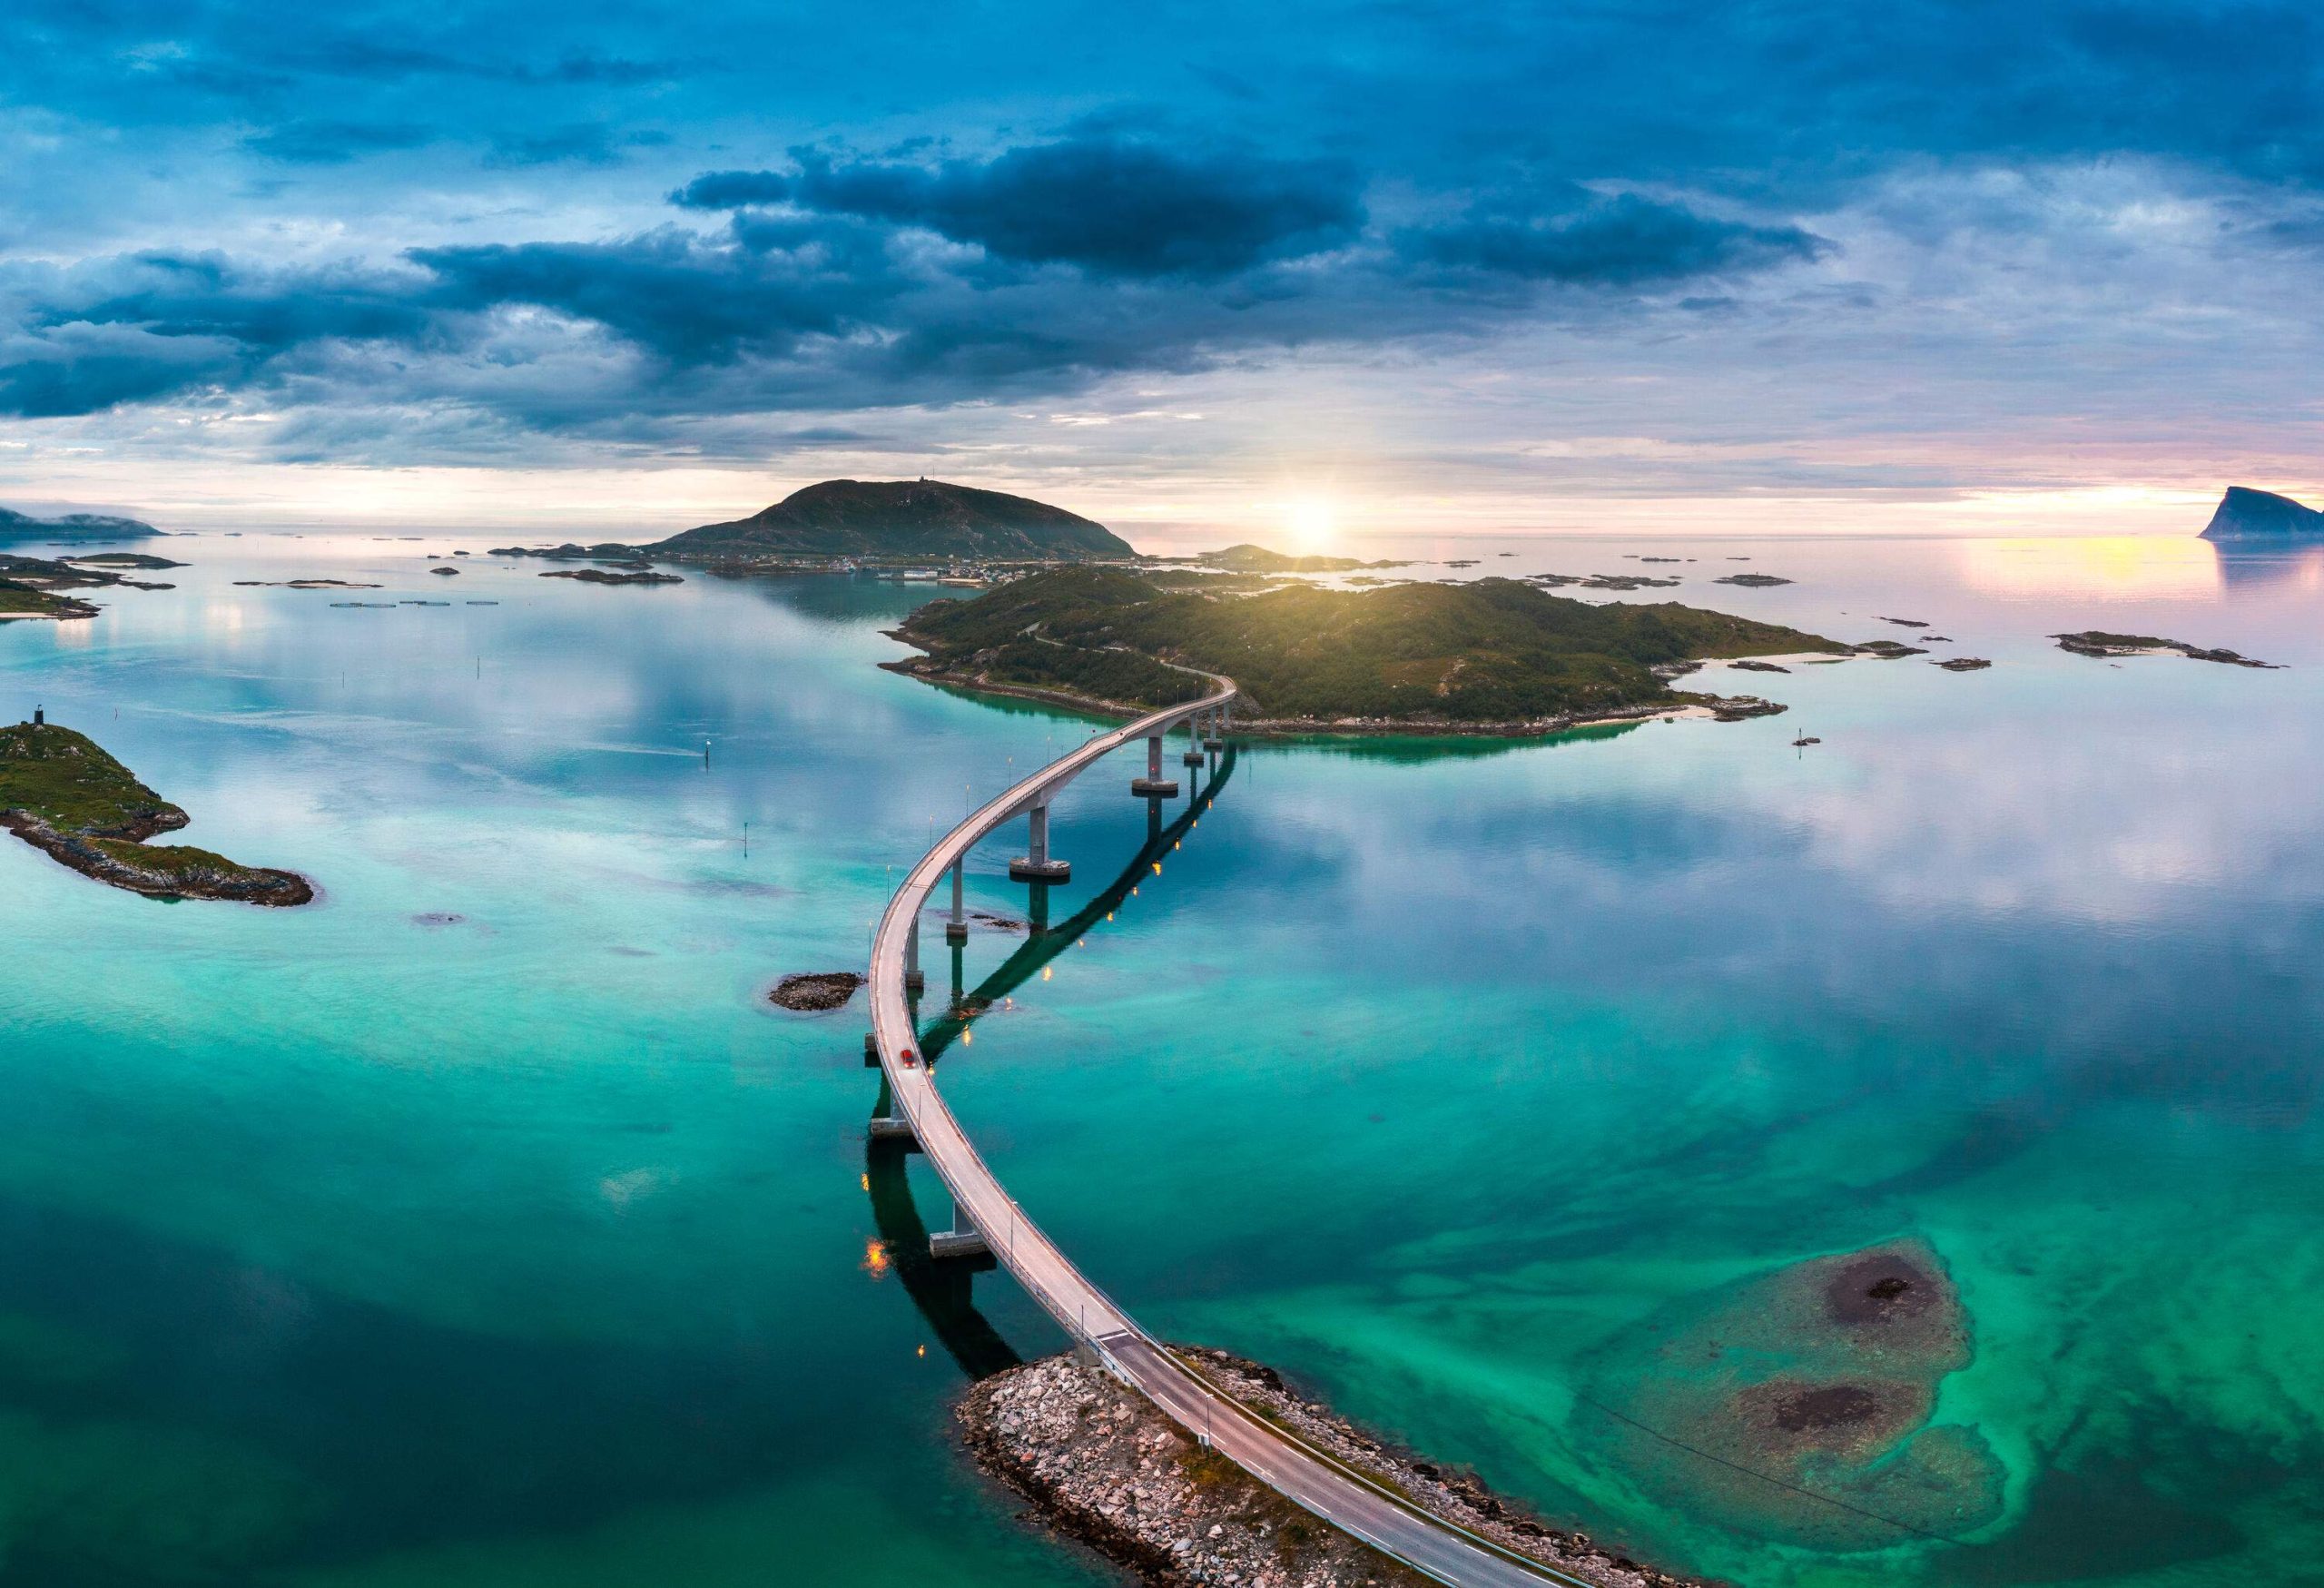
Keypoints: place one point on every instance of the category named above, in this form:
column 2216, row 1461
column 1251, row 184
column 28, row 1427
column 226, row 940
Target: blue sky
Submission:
column 1968, row 266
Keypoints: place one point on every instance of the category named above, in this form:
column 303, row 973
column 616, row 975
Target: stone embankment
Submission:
column 1101, row 1465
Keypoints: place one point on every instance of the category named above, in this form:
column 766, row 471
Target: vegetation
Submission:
column 19, row 600
column 62, row 793
column 68, row 782
column 902, row 518
column 1247, row 559
column 1489, row 653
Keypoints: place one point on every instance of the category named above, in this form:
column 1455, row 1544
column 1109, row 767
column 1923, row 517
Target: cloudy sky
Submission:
column 1993, row 267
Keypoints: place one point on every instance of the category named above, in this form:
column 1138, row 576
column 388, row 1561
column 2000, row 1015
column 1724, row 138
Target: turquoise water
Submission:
column 361, row 1245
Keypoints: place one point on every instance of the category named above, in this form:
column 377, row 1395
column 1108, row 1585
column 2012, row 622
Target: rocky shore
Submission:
column 66, row 796
column 1101, row 1465
column 168, row 871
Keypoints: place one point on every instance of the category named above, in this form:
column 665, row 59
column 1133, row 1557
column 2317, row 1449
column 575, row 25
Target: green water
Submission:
column 360, row 1245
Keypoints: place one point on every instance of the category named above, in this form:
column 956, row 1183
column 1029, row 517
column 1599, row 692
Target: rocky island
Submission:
column 2244, row 514
column 2097, row 642
column 1493, row 657
column 62, row 794
column 1258, row 559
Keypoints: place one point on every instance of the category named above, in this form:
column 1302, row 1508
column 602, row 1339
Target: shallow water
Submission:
column 361, row 1245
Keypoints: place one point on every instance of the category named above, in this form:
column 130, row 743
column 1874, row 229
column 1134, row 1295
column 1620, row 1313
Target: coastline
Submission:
column 1101, row 1465
column 208, row 876
column 1697, row 707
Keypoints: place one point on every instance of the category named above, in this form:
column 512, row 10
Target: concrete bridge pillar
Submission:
column 890, row 1124
column 1216, row 739
column 1035, row 865
column 1154, row 786
column 964, row 1239
column 956, row 930
column 1193, row 757
column 913, row 980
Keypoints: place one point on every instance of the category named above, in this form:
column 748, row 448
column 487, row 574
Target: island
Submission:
column 1247, row 559
column 923, row 518
column 15, row 525
column 2098, row 642
column 2244, row 514
column 80, row 573
column 19, row 600
column 62, row 794
column 1492, row 656
column 597, row 575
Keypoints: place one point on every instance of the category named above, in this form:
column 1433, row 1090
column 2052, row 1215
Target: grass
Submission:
column 1490, row 652
column 23, row 599
column 68, row 780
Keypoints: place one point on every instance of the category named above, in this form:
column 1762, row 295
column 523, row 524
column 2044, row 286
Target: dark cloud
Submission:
column 1623, row 242
column 1112, row 206
column 732, row 189
column 335, row 143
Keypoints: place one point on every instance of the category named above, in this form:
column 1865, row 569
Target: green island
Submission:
column 1247, row 559
column 21, row 600
column 1492, row 656
column 62, row 793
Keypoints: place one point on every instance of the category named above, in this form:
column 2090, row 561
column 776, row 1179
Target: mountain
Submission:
column 2243, row 512
column 902, row 518
column 15, row 525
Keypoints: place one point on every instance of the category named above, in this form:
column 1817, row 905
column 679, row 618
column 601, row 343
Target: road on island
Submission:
column 1302, row 1474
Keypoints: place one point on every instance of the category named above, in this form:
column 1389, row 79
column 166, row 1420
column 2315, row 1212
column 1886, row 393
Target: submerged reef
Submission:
column 1797, row 1405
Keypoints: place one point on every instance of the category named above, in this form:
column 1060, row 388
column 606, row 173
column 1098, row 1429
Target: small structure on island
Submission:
column 40, row 717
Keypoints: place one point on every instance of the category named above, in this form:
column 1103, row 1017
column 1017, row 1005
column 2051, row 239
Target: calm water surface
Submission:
column 482, row 1225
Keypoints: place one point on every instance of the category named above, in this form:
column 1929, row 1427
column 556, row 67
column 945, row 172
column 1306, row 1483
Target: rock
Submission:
column 2097, row 642
column 1751, row 667
column 815, row 991
column 446, row 573
column 1197, row 1518
column 1963, row 664
column 1750, row 581
column 1887, row 650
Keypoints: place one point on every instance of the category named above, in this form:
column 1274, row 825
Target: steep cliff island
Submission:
column 61, row 794
column 1492, row 658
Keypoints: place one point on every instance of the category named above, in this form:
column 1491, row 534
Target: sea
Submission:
column 484, row 1223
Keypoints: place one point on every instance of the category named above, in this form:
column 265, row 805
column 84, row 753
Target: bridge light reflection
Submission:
column 876, row 1260
column 1048, row 971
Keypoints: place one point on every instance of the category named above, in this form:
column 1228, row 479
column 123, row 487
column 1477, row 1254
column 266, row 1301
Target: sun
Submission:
column 1309, row 523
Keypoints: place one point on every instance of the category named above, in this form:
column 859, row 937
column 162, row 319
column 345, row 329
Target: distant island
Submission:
column 901, row 519
column 15, row 525
column 1492, row 656
column 2245, row 513
column 1258, row 559
column 61, row 794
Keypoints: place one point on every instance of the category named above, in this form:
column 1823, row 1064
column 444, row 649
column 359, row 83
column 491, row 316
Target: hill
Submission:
column 2243, row 512
column 1247, row 559
column 15, row 525
column 903, row 518
column 61, row 793
column 1489, row 654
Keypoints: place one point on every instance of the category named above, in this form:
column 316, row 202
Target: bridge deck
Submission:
column 1301, row 1474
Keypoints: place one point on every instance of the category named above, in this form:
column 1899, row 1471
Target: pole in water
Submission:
column 746, row 840
column 705, row 754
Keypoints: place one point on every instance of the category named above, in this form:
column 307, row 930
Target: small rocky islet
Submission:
column 815, row 991
column 2096, row 642
column 61, row 793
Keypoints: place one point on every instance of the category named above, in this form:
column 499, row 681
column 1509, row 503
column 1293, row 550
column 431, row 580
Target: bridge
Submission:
column 987, row 1220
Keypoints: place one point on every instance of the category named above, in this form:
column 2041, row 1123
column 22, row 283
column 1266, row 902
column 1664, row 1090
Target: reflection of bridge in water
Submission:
column 988, row 1225
column 941, row 1287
